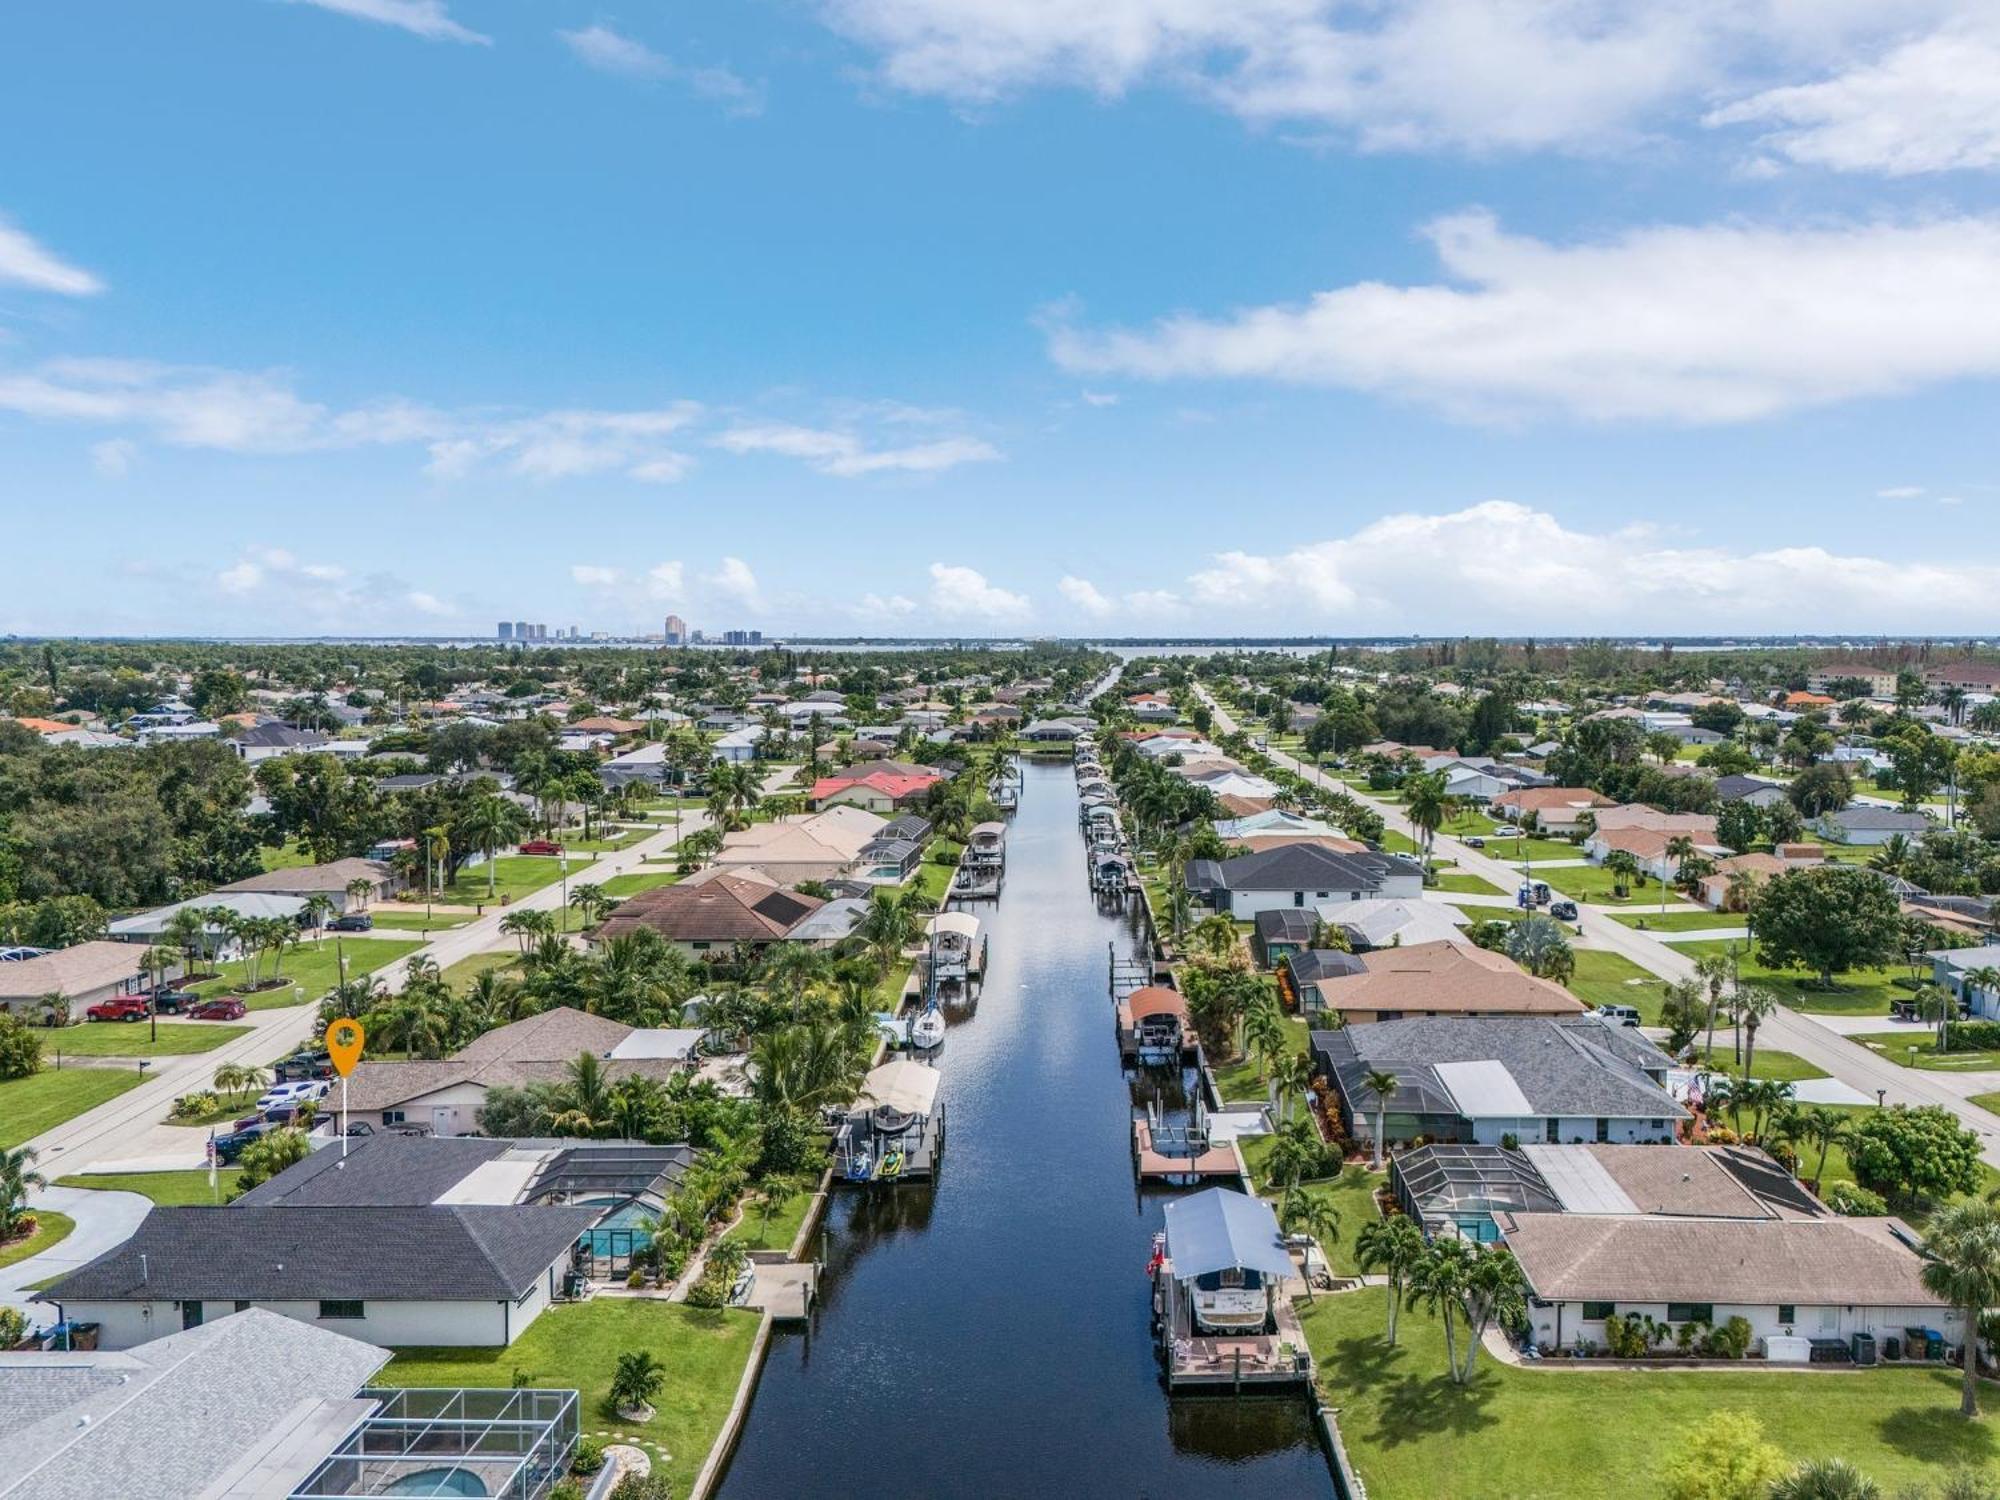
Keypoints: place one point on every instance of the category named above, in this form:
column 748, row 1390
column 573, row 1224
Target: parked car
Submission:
column 1622, row 1015
column 120, row 1008
column 292, row 1094
column 1507, row 831
column 303, row 1065
column 541, row 846
column 229, row 1147
column 172, row 1002
column 1563, row 911
column 1475, row 842
column 221, row 1008
column 1532, row 893
column 353, row 921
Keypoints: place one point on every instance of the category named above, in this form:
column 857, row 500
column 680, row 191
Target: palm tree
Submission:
column 18, row 1178
column 1312, row 1213
column 358, row 892
column 1714, row 971
column 1753, row 1004
column 158, row 961
column 1296, row 1155
column 318, row 907
column 1680, row 849
column 1624, row 869
column 187, row 929
column 1824, row 1128
column 1983, row 979
column 232, row 1079
column 636, row 1382
column 1428, row 807
column 590, row 903
column 1382, row 1085
column 527, row 926
column 1438, row 1284
column 1393, row 1246
column 1493, row 1290
column 1962, row 1267
column 486, row 825
column 586, row 1097
column 1291, row 1074
column 1264, row 1032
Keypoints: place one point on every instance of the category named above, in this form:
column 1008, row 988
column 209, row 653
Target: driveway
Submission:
column 1792, row 1031
column 103, row 1221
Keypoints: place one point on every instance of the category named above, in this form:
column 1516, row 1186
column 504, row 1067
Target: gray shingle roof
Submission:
column 379, row 1170
column 1876, row 818
column 1292, row 867
column 358, row 1252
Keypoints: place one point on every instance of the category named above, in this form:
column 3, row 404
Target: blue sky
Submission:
column 992, row 316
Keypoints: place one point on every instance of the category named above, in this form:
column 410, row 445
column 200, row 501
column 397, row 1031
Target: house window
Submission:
column 190, row 1315
column 1298, row 898
column 1604, row 1130
column 1690, row 1312
column 698, row 947
column 1552, row 1131
column 1597, row 1312
column 392, row 1117
column 330, row 1310
column 242, row 1306
column 1787, row 1313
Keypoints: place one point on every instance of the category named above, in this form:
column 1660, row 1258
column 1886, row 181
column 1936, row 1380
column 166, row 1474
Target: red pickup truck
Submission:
column 541, row 846
column 120, row 1008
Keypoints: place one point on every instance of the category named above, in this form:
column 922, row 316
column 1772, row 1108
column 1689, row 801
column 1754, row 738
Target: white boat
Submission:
column 927, row 1030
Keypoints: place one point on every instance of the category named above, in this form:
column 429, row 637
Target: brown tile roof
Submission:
column 1449, row 979
column 1638, row 815
column 332, row 877
column 1655, row 1258
column 603, row 724
column 1539, row 798
column 1243, row 807
column 726, row 909
column 557, row 1034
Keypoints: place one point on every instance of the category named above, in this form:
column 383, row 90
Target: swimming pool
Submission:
column 453, row 1481
column 620, row 1231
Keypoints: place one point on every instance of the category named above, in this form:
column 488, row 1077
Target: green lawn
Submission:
column 755, row 1234
column 514, row 876
column 412, row 919
column 1557, row 1434
column 1863, row 992
column 311, row 969
column 1515, row 850
column 1352, row 1191
column 1605, row 978
column 1469, row 822
column 1682, row 921
column 131, row 1038
column 51, row 1229
column 1896, row 1045
column 290, row 857
column 623, row 838
column 44, row 1100
column 461, row 974
column 1398, row 843
column 228, row 1107
column 1782, row 1066
column 1593, row 883
column 168, row 1189
column 578, row 1346
column 618, row 887
column 1466, row 885
column 932, row 878
column 1237, row 1080
column 1988, row 1102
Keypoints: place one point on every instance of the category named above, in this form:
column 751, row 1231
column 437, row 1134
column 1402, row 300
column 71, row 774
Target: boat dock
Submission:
column 1194, row 1361
column 1171, row 1154
column 786, row 1289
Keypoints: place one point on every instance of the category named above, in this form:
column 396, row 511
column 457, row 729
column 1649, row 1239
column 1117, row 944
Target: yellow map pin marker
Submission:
column 343, row 1044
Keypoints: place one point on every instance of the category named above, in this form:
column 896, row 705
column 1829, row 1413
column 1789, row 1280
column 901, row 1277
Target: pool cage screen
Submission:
column 514, row 1444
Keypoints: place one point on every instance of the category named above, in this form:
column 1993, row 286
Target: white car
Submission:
column 1506, row 831
column 292, row 1093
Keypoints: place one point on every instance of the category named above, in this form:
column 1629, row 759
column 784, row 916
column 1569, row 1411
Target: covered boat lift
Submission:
column 1219, row 1273
column 895, row 1130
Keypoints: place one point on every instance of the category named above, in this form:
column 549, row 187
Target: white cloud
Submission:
column 1100, row 398
column 1714, row 323
column 733, row 581
column 324, row 592
column 1929, row 105
column 113, row 457
column 846, row 456
column 608, row 51
column 593, row 576
column 879, row 607
column 1901, row 492
column 426, row 18
column 428, row 604
column 1501, row 566
column 667, row 580
column 1085, row 596
column 25, row 262
column 962, row 593
column 1479, row 75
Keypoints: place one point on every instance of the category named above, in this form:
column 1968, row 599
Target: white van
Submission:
column 292, row 1093
column 1619, row 1015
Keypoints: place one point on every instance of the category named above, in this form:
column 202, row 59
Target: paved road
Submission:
column 103, row 1221
column 1786, row 1030
column 110, row 1132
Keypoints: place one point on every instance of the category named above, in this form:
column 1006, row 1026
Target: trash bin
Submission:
column 1892, row 1347
column 1864, row 1348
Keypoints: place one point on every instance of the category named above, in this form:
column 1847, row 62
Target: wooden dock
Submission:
column 1151, row 1163
column 1227, row 1362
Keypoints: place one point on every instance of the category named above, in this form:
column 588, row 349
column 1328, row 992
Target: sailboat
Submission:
column 927, row 1031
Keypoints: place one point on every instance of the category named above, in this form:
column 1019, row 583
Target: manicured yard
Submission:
column 44, row 1100
column 1860, row 993
column 412, row 919
column 578, row 1346
column 1606, row 978
column 51, row 1229
column 933, row 878
column 314, row 970
column 1988, row 1102
column 1237, row 1080
column 514, row 876
column 461, row 974
column 1896, row 1045
column 1682, row 921
column 168, row 1189
column 618, row 838
column 1782, row 1066
column 289, row 857
column 755, row 1234
column 1469, row 821
column 1515, row 850
column 131, row 1038
column 1352, row 1192
column 1593, row 883
column 1398, row 843
column 1463, row 884
column 1557, row 1434
column 618, row 887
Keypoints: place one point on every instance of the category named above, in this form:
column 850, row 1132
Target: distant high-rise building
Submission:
column 506, row 630
column 677, row 631
column 520, row 630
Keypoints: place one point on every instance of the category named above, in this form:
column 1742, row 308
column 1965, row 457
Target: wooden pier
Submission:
column 1196, row 1361
column 1156, row 1158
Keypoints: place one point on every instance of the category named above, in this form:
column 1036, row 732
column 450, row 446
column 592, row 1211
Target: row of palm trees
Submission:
column 1467, row 1286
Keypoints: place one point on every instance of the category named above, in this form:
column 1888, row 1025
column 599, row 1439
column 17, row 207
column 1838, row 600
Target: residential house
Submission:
column 1880, row 682
column 1557, row 809
column 719, row 910
column 1486, row 1078
column 1447, row 978
column 1715, row 889
column 1966, row 676
column 1278, row 826
column 330, row 880
column 151, row 926
column 876, row 791
column 84, row 975
column 738, row 745
column 1860, row 823
column 1394, row 922
column 1299, row 875
column 268, row 740
column 825, row 845
column 1282, row 932
column 1653, row 847
column 1950, row 967
column 1754, row 790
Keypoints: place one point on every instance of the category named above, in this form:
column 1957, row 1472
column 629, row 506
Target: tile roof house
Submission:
column 330, row 880
column 393, row 1275
column 1758, row 865
column 1482, row 1078
column 724, row 911
column 1652, row 847
column 83, row 974
column 1751, row 789
column 1862, row 824
column 876, row 791
column 1436, row 979
column 1556, row 808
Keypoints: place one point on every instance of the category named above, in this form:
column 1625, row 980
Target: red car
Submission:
column 541, row 846
column 120, row 1008
column 221, row 1008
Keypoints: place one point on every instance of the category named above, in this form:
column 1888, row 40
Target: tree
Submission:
column 1392, row 1246
column 1296, row 1155
column 1962, row 1267
column 1538, row 945
column 1821, row 788
column 1713, row 970
column 1428, row 807
column 1382, row 1085
column 1493, row 1291
column 490, row 822
column 1624, row 869
column 1438, row 1284
column 1312, row 1213
column 1824, row 1128
column 1291, row 1077
column 1754, row 1005
column 1722, row 1457
column 268, row 1155
column 1683, row 1008
column 20, row 1048
column 1738, row 825
column 590, row 903
column 636, row 1382
column 1914, row 1153
column 1829, row 919
column 18, row 1178
column 1264, row 1033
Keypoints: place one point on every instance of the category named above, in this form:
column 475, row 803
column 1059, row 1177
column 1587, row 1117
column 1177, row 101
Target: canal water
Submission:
column 990, row 1335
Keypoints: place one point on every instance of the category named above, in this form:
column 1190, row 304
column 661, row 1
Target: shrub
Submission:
column 567, row 1489
column 1720, row 1135
column 589, row 1457
column 20, row 1049
column 1730, row 1341
column 194, row 1106
column 1972, row 1036
column 13, row 1327
column 1856, row 1202
column 642, row 1487
column 635, row 1278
